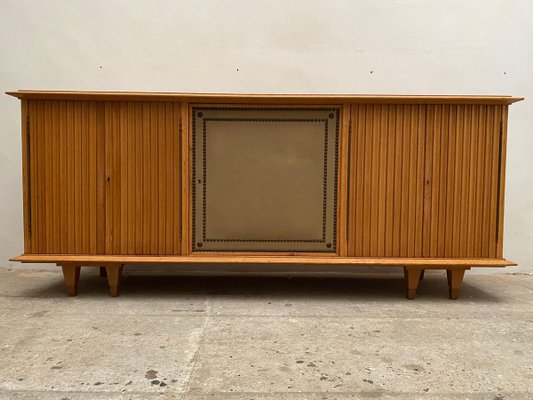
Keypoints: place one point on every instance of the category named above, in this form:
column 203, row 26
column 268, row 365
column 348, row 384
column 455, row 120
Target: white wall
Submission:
column 314, row 46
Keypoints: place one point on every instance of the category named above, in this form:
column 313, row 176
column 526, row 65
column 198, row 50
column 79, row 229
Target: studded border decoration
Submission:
column 197, row 113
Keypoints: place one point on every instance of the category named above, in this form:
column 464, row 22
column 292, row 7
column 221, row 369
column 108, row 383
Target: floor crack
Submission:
column 200, row 345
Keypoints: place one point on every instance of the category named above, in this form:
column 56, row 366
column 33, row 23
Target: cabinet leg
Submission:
column 422, row 274
column 71, row 274
column 114, row 276
column 455, row 279
column 103, row 272
column 412, row 277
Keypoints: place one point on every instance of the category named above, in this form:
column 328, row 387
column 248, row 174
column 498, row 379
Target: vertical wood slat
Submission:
column 405, row 169
column 69, row 190
column 47, row 136
column 356, row 177
column 62, row 227
column 462, row 179
column 154, row 179
column 109, row 151
column 497, row 144
column 463, row 210
column 447, row 205
column 375, row 134
column 459, row 136
column 123, row 137
column 32, row 175
column 420, row 183
column 143, row 206
column 161, row 174
column 93, row 177
column 76, row 183
column 396, row 183
column 129, row 176
column 144, row 228
column 387, row 155
column 26, row 167
column 138, row 144
column 40, row 169
column 343, row 222
column 170, row 189
column 54, row 175
column 381, row 172
column 100, row 177
column 501, row 195
column 64, row 177
column 480, row 189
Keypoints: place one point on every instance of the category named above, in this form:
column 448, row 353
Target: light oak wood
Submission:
column 462, row 189
column 343, row 179
column 71, row 273
column 26, row 168
column 114, row 277
column 501, row 181
column 455, row 280
column 387, row 179
column 412, row 279
column 143, row 178
column 266, row 259
column 263, row 98
column 107, row 181
column 185, row 148
column 63, row 178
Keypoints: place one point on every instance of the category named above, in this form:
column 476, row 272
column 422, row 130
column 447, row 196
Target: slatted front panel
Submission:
column 143, row 172
column 462, row 171
column 64, row 189
column 386, row 181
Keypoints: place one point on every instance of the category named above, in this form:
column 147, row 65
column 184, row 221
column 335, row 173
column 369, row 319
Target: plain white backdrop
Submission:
column 272, row 46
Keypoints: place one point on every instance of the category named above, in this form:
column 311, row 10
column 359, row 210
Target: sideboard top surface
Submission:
column 262, row 98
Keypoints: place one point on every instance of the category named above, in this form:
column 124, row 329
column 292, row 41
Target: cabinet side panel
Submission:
column 462, row 155
column 63, row 175
column 143, row 175
column 501, row 177
column 26, row 166
column 387, row 154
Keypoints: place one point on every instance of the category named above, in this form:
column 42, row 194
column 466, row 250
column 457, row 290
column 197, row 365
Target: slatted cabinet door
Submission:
column 143, row 196
column 386, row 180
column 64, row 178
column 464, row 181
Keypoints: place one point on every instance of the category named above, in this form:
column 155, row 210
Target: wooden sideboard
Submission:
column 115, row 178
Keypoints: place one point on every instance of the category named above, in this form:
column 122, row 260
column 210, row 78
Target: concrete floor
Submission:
column 177, row 337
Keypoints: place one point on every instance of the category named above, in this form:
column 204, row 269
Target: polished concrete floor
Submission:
column 237, row 337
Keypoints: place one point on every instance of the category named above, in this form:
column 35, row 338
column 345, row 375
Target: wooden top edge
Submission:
column 266, row 98
column 208, row 259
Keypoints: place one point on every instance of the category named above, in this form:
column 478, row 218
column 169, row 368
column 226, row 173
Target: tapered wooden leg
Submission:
column 422, row 274
column 412, row 277
column 455, row 279
column 103, row 272
column 114, row 275
column 71, row 274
